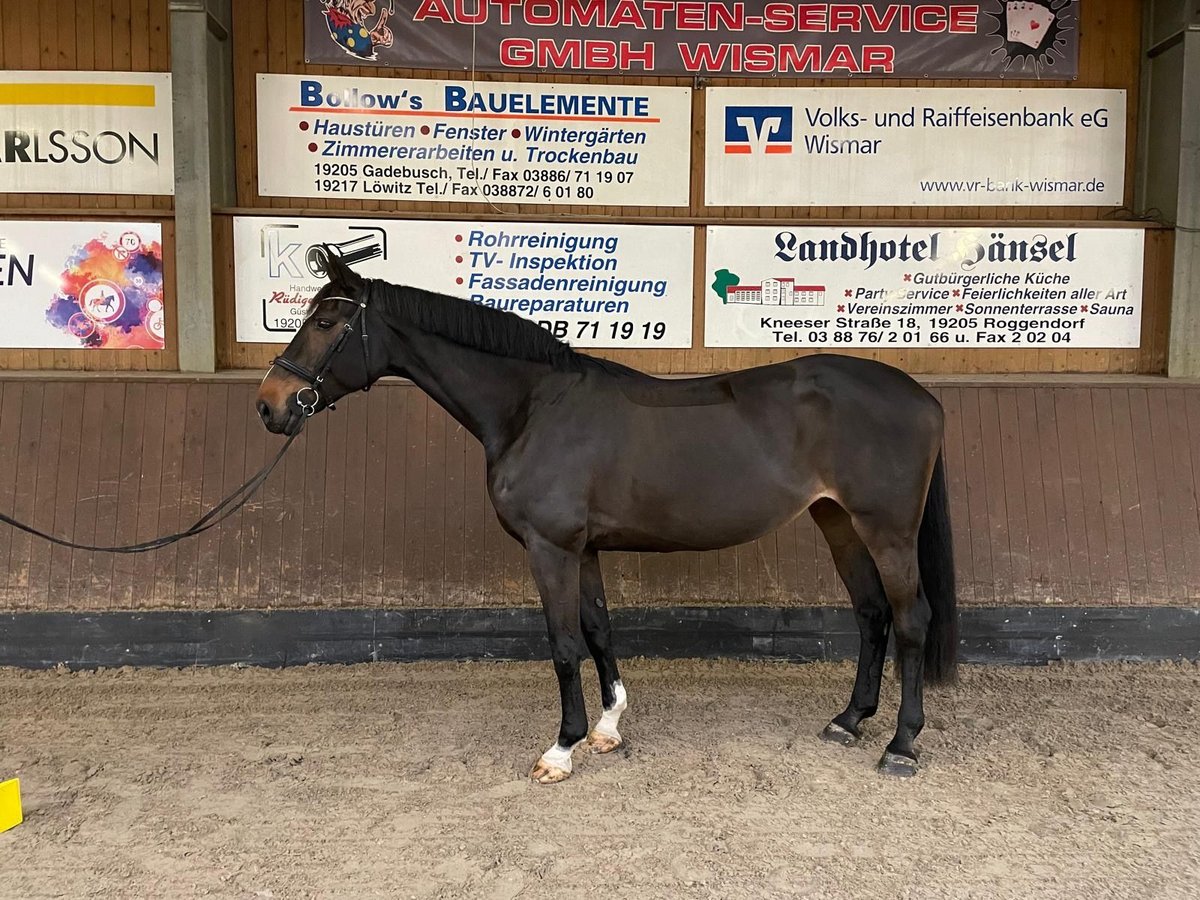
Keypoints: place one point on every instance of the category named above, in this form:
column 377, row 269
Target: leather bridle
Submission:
column 317, row 377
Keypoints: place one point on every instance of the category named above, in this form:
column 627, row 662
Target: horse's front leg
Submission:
column 597, row 631
column 556, row 572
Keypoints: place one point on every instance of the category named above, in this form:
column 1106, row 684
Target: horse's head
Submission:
column 328, row 358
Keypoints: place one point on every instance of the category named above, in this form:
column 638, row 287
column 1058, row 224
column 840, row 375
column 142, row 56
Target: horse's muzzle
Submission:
column 288, row 422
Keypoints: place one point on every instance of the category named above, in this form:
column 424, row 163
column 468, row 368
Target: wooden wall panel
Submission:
column 1078, row 494
column 269, row 37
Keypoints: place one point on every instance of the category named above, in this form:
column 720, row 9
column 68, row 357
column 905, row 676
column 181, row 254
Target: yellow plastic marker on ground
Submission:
column 10, row 804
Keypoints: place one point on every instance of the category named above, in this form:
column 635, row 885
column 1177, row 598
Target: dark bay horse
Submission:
column 585, row 455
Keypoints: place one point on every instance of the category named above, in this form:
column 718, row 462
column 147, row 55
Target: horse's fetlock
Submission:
column 571, row 738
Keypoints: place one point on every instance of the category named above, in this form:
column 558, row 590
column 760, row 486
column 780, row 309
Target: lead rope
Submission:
column 223, row 510
column 214, row 516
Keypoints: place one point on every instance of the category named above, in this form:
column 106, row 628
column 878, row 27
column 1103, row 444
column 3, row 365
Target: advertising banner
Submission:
column 81, row 285
column 86, row 133
column 997, row 287
column 987, row 39
column 484, row 142
column 589, row 285
column 914, row 147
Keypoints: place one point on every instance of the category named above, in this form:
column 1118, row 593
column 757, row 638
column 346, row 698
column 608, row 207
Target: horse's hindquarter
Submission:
column 720, row 473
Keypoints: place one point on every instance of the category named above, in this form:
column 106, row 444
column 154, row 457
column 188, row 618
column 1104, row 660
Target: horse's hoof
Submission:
column 897, row 766
column 603, row 743
column 836, row 734
column 544, row 773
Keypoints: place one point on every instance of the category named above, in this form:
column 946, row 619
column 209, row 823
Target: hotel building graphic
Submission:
column 776, row 292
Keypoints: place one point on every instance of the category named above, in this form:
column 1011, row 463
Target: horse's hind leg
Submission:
column 597, row 631
column 895, row 557
column 857, row 570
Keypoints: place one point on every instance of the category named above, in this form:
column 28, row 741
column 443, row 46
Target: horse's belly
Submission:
column 704, row 511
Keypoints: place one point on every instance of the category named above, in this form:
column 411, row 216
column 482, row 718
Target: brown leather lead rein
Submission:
column 223, row 510
column 214, row 516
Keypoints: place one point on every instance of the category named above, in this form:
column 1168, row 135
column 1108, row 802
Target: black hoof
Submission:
column 836, row 734
column 897, row 766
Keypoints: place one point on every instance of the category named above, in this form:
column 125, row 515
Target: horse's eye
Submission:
column 324, row 324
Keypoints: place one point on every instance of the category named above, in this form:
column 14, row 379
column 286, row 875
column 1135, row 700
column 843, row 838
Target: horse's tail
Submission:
column 935, row 559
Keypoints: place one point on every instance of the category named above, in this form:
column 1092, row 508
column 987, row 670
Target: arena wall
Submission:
column 1064, row 493
column 1073, row 473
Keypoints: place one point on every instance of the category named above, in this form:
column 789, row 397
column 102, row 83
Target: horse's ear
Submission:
column 338, row 272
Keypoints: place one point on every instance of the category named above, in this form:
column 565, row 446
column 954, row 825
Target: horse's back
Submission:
column 834, row 374
column 834, row 370
column 848, row 388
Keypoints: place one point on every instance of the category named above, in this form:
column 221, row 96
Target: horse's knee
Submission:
column 566, row 653
column 566, row 662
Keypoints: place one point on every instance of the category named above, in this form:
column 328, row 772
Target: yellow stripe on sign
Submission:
column 10, row 804
column 67, row 94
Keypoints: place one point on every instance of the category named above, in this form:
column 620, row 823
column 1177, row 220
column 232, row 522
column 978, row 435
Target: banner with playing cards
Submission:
column 908, row 39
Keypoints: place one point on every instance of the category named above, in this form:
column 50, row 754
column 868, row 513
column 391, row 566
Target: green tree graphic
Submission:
column 724, row 281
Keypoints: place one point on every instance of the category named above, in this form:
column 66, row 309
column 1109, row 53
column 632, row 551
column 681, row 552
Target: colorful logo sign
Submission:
column 758, row 129
column 111, row 294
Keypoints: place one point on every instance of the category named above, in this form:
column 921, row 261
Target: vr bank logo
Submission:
column 758, row 129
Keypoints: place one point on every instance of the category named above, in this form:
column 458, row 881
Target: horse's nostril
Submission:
column 264, row 411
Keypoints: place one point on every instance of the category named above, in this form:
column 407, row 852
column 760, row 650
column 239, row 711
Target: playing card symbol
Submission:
column 1031, row 32
column 1028, row 23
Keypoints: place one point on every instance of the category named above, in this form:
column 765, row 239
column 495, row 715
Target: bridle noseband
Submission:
column 315, row 379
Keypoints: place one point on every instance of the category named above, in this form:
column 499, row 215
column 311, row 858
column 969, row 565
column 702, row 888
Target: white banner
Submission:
column 477, row 142
column 86, row 133
column 590, row 285
column 81, row 285
column 999, row 287
column 914, row 147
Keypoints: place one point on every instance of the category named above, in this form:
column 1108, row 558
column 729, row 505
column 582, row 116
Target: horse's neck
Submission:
column 486, row 394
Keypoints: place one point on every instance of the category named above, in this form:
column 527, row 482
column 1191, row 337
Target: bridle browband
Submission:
column 315, row 379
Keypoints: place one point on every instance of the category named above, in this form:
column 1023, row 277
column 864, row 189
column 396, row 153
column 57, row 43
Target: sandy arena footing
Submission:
column 411, row 781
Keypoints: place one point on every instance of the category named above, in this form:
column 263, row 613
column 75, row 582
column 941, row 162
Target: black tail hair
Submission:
column 935, row 559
